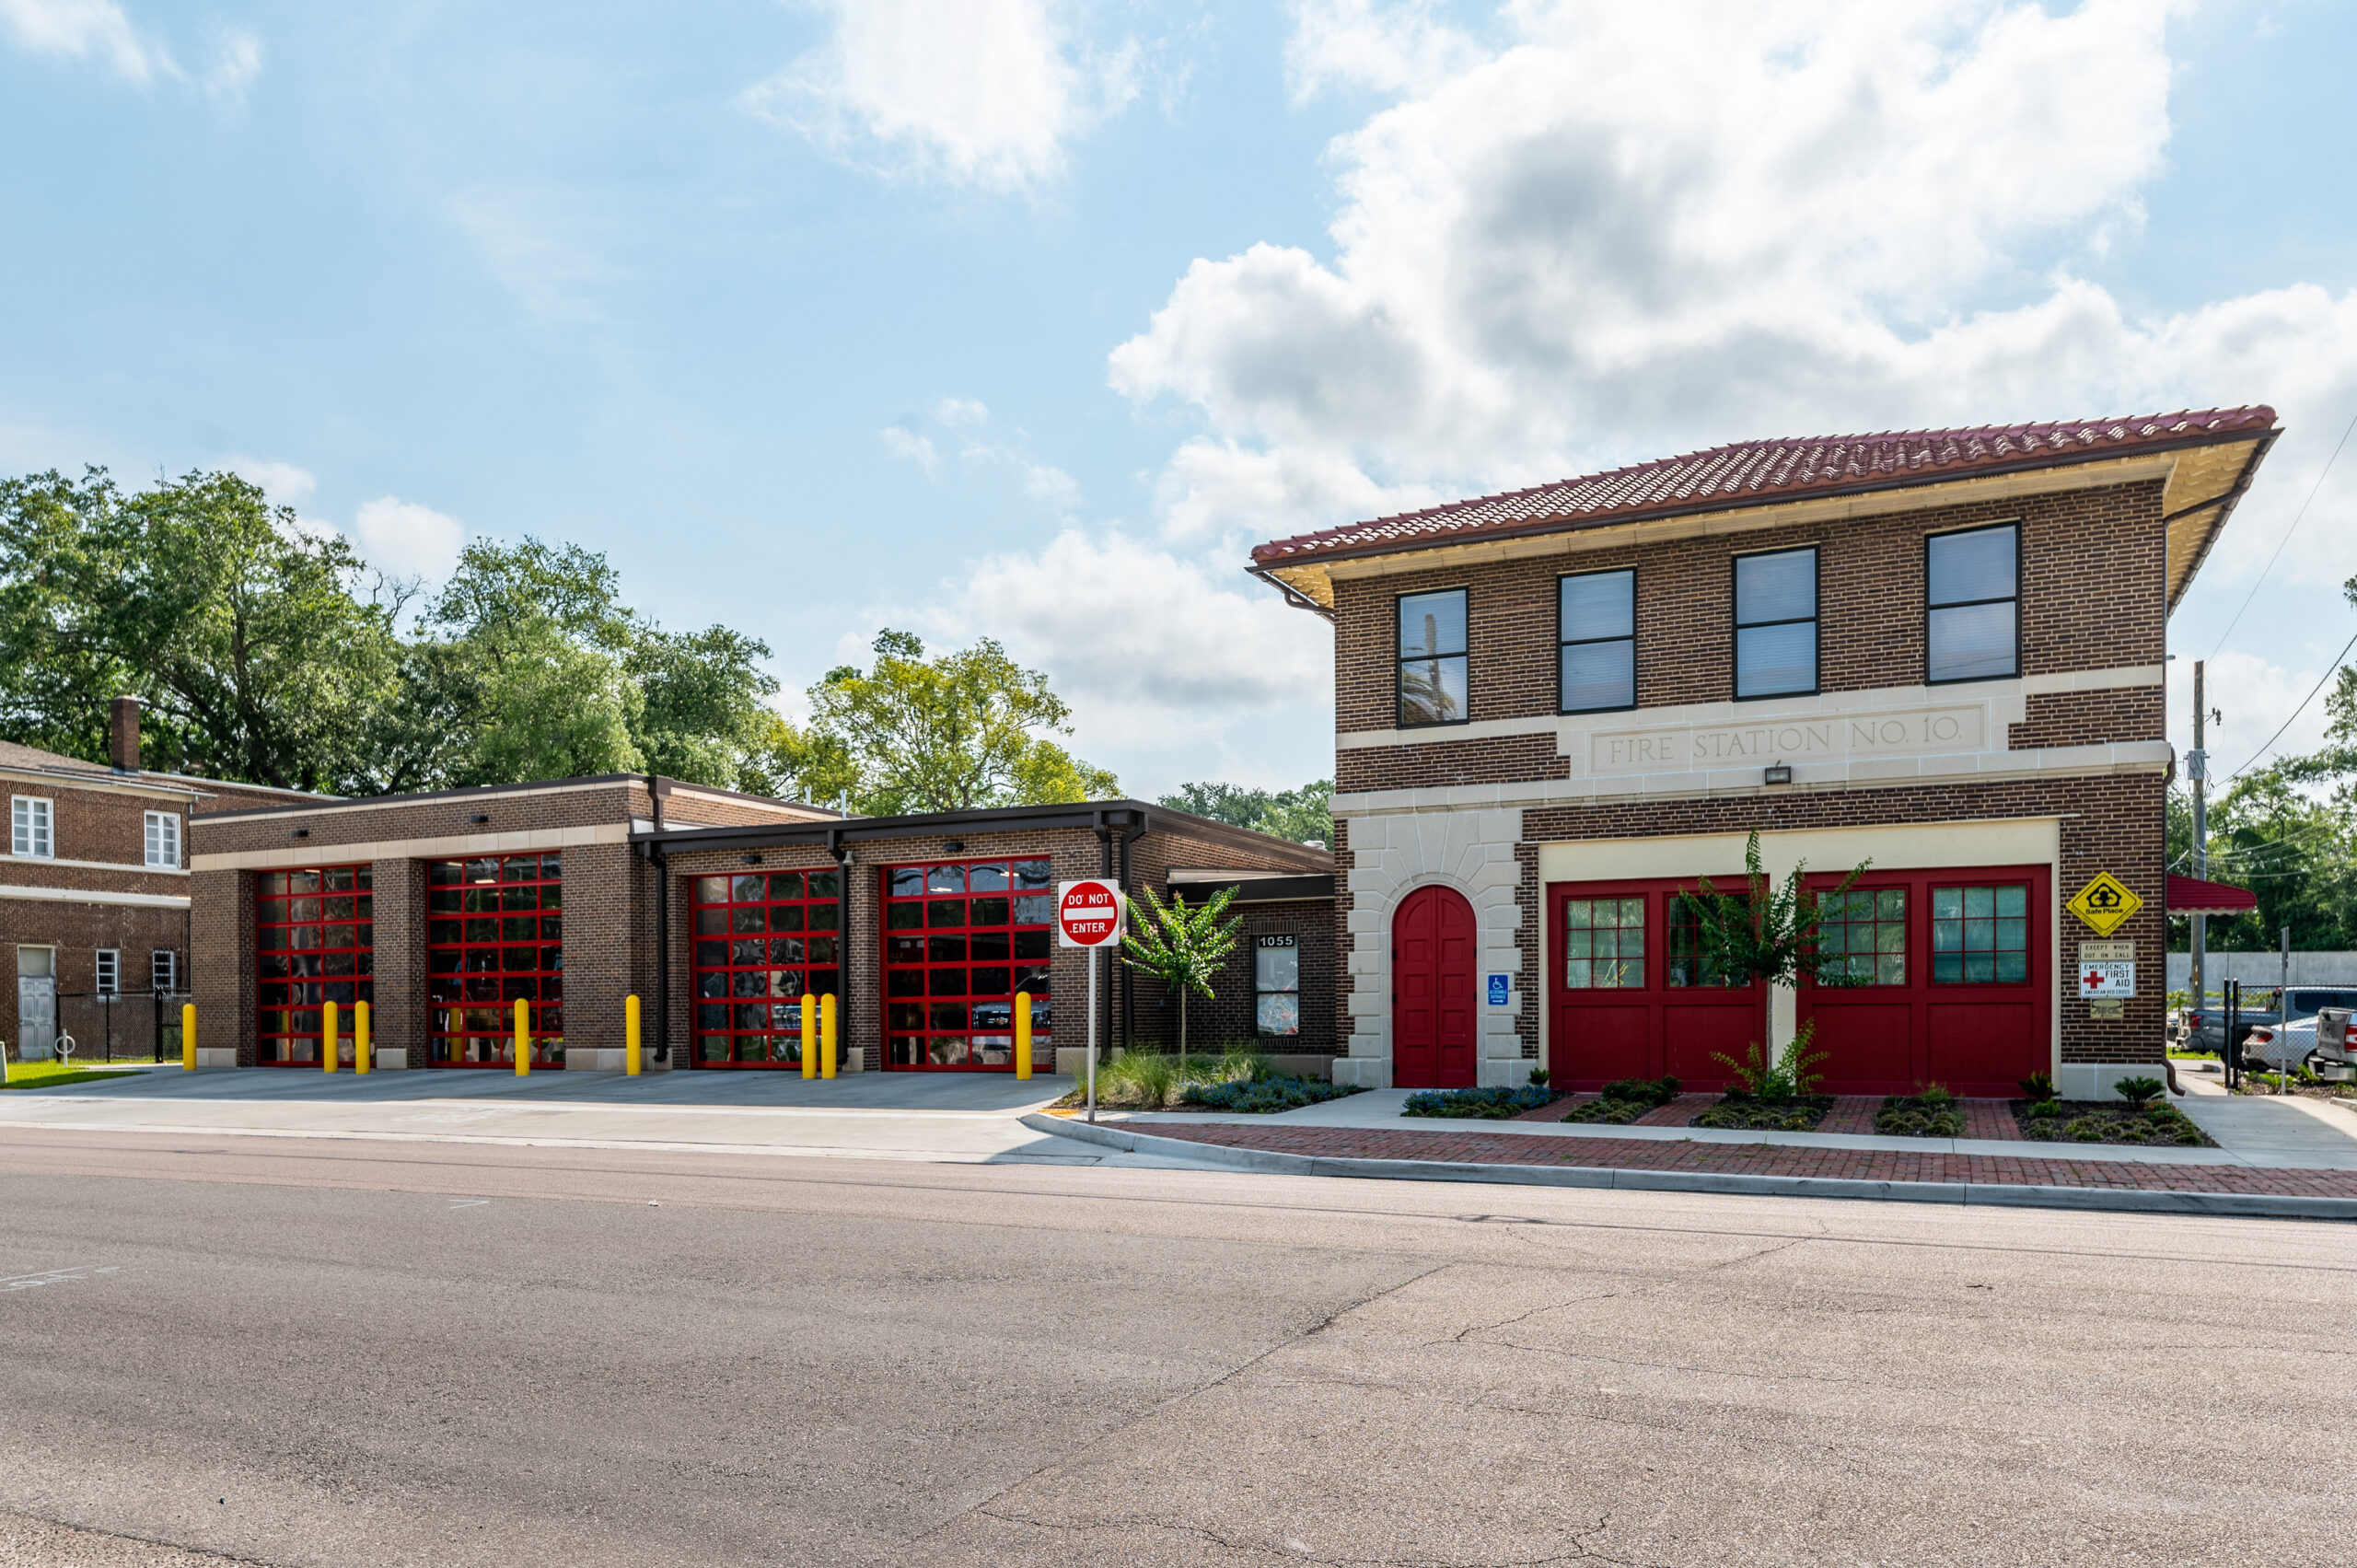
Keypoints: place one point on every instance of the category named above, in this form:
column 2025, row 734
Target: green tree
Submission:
column 950, row 733
column 243, row 632
column 1183, row 948
column 1767, row 933
column 1301, row 815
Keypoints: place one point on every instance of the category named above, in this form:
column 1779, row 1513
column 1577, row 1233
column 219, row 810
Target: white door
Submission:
column 36, row 1003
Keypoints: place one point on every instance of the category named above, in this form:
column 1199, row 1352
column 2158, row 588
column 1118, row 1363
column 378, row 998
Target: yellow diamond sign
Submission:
column 2105, row 904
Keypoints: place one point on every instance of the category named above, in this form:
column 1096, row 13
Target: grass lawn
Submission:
column 48, row 1074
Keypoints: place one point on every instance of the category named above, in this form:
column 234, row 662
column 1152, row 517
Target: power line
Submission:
column 2280, row 543
column 2329, row 672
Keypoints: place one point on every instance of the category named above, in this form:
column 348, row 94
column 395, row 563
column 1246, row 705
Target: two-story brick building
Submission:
column 1940, row 653
column 93, row 894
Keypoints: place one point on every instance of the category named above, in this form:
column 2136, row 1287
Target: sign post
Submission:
column 1089, row 914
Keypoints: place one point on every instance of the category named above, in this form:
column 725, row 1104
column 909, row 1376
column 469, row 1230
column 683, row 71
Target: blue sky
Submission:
column 1018, row 318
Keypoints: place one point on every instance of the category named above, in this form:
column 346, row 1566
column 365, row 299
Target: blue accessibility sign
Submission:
column 1498, row 991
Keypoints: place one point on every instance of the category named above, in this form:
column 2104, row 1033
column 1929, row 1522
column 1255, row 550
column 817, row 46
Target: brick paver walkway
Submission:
column 1768, row 1160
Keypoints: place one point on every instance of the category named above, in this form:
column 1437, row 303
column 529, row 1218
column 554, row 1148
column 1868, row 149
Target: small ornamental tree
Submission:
column 1183, row 948
column 1770, row 932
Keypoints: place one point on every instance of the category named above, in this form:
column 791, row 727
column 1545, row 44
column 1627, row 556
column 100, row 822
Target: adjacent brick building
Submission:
column 719, row 910
column 1559, row 710
column 93, row 894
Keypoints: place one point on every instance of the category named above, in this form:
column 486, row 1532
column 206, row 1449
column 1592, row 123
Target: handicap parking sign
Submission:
column 1497, row 991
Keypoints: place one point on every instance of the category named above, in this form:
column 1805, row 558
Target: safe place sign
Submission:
column 1088, row 913
column 2105, row 904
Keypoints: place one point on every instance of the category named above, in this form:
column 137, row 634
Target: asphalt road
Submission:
column 298, row 1352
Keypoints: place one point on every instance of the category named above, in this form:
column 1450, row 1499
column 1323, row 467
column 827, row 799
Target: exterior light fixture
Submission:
column 302, row 832
column 752, row 860
column 1780, row 774
column 952, row 846
column 480, row 819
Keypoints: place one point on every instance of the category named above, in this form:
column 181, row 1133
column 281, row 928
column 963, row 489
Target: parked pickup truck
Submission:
column 2204, row 1028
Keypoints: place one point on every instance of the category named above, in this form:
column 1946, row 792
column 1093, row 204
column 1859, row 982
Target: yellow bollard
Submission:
column 188, row 1036
column 827, row 1035
column 328, row 1048
column 523, row 1038
column 1023, row 1034
column 809, row 1036
column 359, row 1038
column 630, row 1036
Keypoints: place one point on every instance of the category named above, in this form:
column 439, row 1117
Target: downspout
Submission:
column 842, row 852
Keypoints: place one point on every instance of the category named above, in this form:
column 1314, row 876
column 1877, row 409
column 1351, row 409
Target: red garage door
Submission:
column 1432, row 997
column 1952, row 982
column 1631, row 995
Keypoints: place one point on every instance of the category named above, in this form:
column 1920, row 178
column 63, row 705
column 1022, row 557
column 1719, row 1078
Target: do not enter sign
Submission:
column 1088, row 913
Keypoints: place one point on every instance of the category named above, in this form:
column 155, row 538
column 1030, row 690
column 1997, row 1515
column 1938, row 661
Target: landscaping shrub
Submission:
column 1626, row 1099
column 2107, row 1121
column 1748, row 1113
column 1495, row 1104
column 2038, row 1087
column 2136, row 1091
column 1262, row 1096
column 1930, row 1114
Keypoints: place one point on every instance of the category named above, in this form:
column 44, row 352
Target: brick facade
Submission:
column 2076, row 737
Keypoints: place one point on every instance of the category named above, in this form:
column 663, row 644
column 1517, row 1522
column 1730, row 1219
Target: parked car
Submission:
column 2204, row 1028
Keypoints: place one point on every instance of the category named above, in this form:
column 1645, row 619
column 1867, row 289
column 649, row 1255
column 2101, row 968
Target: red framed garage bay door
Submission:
column 960, row 939
column 1951, row 976
column 765, row 940
column 313, row 943
column 494, row 936
column 1629, row 996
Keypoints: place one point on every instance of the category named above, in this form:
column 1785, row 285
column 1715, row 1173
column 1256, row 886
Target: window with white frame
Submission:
column 1276, row 985
column 29, row 827
column 163, row 970
column 163, row 838
column 110, row 971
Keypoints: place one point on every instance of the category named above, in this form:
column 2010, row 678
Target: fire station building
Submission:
column 721, row 912
column 1939, row 654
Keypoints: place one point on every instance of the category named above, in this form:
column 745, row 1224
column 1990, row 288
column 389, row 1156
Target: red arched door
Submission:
column 1432, row 991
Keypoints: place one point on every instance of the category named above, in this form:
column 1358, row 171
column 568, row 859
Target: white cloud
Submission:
column 1152, row 650
column 406, row 539
column 82, row 29
column 284, row 483
column 1052, row 485
column 2253, row 694
column 979, row 92
column 918, row 449
column 966, row 414
column 234, row 67
column 1620, row 232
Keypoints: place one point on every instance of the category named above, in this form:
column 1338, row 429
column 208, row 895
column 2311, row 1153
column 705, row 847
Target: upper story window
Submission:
column 163, row 838
column 1972, row 597
column 28, row 828
column 1775, row 624
column 1431, row 658
column 1596, row 622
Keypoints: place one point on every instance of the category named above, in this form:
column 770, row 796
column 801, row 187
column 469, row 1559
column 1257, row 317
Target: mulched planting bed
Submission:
column 1770, row 1160
column 1741, row 1113
column 1496, row 1103
column 1905, row 1116
column 1624, row 1100
column 2107, row 1121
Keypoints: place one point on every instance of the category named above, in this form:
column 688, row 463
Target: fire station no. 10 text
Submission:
column 1680, row 748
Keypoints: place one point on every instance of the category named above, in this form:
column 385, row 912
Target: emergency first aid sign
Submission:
column 2107, row 979
column 1088, row 913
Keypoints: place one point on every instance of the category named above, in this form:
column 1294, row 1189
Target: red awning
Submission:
column 2191, row 895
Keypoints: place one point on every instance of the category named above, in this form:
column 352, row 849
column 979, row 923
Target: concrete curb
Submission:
column 1976, row 1193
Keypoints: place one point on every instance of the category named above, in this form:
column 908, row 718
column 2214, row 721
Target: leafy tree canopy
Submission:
column 952, row 732
column 1300, row 815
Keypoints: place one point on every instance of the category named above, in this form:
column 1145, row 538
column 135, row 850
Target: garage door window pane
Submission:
column 1981, row 935
column 1604, row 944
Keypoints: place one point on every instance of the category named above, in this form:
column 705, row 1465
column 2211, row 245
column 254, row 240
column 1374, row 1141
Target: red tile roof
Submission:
column 1760, row 472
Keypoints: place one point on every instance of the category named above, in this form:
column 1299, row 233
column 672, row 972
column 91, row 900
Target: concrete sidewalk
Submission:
column 955, row 1117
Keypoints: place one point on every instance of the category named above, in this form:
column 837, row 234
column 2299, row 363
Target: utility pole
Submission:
column 2196, row 768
